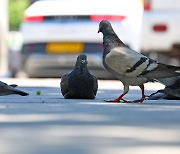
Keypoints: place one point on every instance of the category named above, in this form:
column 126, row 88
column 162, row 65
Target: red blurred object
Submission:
column 107, row 17
column 160, row 28
column 34, row 18
column 147, row 5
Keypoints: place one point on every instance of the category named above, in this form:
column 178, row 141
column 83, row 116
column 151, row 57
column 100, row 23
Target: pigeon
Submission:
column 6, row 89
column 131, row 67
column 171, row 92
column 79, row 84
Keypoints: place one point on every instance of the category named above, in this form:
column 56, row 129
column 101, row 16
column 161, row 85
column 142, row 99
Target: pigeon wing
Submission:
column 130, row 63
column 127, row 62
column 64, row 84
column 161, row 71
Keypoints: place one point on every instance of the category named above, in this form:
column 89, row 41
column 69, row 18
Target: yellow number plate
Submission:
column 56, row 48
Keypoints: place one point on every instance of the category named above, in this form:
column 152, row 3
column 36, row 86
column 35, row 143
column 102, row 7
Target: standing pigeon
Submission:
column 131, row 67
column 79, row 84
column 10, row 89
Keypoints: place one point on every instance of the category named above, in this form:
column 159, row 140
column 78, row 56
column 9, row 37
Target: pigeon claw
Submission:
column 142, row 98
column 139, row 100
column 117, row 100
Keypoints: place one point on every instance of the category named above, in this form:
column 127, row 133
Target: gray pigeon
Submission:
column 131, row 67
column 79, row 84
column 171, row 92
column 10, row 89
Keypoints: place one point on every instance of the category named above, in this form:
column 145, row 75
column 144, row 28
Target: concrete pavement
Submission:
column 47, row 123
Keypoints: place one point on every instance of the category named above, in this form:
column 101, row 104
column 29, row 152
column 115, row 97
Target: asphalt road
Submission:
column 50, row 124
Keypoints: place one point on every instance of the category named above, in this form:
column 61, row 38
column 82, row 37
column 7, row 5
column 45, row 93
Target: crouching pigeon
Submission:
column 171, row 92
column 131, row 67
column 10, row 89
column 79, row 84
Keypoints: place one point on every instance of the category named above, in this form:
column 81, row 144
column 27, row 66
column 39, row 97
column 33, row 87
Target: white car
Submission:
column 56, row 31
column 161, row 29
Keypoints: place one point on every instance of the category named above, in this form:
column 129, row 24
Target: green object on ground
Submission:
column 38, row 92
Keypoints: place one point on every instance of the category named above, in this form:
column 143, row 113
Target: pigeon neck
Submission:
column 111, row 40
column 81, row 68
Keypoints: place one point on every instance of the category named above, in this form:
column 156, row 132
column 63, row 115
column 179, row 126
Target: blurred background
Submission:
column 43, row 38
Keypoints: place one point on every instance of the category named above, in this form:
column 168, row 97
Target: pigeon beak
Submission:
column 100, row 29
column 83, row 61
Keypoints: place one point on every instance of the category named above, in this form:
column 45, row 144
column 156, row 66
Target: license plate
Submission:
column 55, row 48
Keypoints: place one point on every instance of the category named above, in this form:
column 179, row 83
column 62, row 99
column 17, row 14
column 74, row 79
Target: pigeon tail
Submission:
column 22, row 93
column 13, row 85
column 165, row 74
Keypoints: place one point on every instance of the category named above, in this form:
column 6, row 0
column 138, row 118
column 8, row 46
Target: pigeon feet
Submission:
column 139, row 100
column 117, row 100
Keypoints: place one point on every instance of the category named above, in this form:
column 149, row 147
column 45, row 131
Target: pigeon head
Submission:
column 105, row 26
column 110, row 38
column 81, row 62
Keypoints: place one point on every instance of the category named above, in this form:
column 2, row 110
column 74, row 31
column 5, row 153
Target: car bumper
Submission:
column 57, row 65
